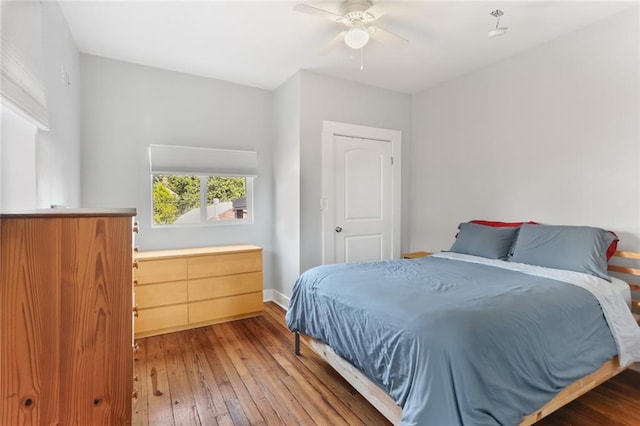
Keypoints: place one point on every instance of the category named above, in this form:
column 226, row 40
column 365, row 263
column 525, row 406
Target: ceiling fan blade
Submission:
column 377, row 11
column 332, row 44
column 386, row 37
column 312, row 10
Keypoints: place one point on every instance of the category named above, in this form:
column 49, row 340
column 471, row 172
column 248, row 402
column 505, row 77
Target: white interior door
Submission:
column 362, row 199
column 361, row 195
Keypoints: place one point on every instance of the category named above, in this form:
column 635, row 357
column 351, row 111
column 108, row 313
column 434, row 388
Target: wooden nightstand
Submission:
column 416, row 254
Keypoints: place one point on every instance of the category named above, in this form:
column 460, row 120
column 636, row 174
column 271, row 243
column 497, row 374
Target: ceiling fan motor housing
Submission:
column 356, row 8
column 357, row 18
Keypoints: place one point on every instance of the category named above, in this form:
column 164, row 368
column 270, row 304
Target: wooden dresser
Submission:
column 66, row 317
column 187, row 288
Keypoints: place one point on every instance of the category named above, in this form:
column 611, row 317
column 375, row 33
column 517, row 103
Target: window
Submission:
column 201, row 186
column 178, row 199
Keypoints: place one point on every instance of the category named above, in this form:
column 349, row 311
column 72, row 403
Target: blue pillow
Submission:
column 574, row 248
column 484, row 241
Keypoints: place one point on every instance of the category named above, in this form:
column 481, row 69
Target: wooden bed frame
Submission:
column 383, row 402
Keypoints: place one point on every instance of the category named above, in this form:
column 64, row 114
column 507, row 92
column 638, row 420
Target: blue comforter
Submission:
column 454, row 343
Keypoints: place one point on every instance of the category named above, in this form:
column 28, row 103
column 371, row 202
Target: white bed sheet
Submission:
column 623, row 288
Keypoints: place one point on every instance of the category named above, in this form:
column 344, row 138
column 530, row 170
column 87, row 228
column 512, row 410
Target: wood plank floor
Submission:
column 245, row 373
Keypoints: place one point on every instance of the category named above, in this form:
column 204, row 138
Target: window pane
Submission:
column 176, row 199
column 226, row 198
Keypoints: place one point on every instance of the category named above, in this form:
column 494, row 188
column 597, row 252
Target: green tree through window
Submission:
column 165, row 209
column 178, row 198
column 225, row 188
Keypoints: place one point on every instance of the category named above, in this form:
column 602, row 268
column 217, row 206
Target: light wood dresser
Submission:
column 66, row 317
column 187, row 288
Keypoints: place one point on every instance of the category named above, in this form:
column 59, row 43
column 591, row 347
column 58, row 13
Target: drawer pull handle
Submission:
column 135, row 311
column 134, row 395
column 136, row 250
column 135, row 264
column 136, row 348
column 135, row 378
column 135, row 282
column 136, row 227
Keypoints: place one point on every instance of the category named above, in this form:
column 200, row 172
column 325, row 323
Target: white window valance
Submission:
column 202, row 161
column 21, row 85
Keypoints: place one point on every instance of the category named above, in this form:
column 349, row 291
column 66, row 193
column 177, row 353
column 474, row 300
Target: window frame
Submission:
column 249, row 186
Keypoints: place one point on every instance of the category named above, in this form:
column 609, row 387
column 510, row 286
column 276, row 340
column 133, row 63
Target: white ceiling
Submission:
column 263, row 43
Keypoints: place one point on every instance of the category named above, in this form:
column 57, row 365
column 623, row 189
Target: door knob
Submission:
column 338, row 229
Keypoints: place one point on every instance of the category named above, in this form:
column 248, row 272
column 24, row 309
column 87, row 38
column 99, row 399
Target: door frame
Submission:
column 335, row 128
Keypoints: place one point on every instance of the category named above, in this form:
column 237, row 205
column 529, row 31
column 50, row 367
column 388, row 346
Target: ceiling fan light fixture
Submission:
column 357, row 37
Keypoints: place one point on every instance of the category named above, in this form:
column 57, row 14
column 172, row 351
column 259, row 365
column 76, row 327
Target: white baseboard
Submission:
column 270, row 295
column 635, row 367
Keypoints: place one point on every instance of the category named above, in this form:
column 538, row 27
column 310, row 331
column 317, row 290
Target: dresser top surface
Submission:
column 65, row 212
column 160, row 254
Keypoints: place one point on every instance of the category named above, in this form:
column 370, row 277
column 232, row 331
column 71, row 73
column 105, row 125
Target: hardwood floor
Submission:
column 245, row 373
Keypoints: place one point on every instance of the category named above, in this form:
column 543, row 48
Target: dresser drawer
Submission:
column 210, row 288
column 160, row 318
column 161, row 270
column 150, row 295
column 233, row 306
column 224, row 264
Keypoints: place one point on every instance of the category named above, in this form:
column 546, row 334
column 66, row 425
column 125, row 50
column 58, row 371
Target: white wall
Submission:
column 52, row 156
column 551, row 135
column 326, row 98
column 126, row 107
column 58, row 150
column 17, row 162
column 286, row 185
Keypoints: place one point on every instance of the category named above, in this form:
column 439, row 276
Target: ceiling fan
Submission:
column 357, row 16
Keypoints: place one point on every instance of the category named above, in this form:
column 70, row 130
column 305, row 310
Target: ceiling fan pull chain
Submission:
column 361, row 58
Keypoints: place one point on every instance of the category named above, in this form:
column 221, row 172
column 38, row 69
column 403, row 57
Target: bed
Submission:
column 474, row 335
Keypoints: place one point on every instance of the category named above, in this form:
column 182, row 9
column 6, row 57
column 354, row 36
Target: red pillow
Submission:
column 497, row 224
column 612, row 247
column 500, row 224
